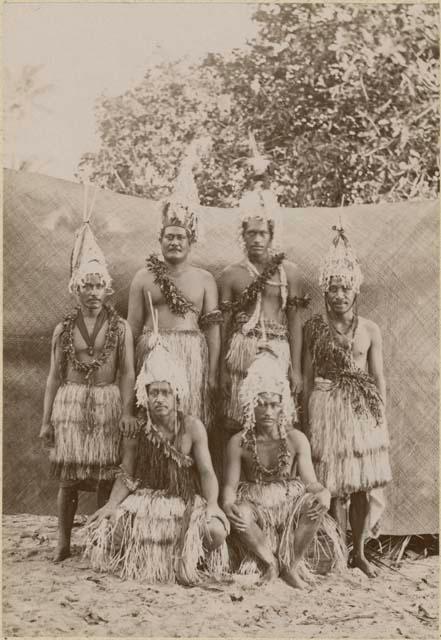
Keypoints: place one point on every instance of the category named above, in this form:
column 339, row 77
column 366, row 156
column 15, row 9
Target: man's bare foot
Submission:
column 291, row 577
column 362, row 564
column 270, row 574
column 61, row 554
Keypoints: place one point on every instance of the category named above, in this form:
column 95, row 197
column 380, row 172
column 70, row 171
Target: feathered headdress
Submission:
column 181, row 208
column 260, row 203
column 265, row 375
column 340, row 263
column 87, row 257
column 160, row 366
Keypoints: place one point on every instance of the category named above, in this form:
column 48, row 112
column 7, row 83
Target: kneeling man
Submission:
column 162, row 522
column 278, row 510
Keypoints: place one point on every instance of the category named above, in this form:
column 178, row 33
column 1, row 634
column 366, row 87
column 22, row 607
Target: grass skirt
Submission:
column 277, row 507
column 350, row 452
column 241, row 353
column 190, row 346
column 156, row 538
column 87, row 435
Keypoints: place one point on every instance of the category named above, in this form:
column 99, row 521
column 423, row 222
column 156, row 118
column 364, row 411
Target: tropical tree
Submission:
column 342, row 99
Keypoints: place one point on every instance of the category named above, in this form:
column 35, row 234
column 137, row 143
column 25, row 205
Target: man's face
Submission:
column 92, row 291
column 175, row 244
column 257, row 237
column 161, row 399
column 340, row 297
column 267, row 411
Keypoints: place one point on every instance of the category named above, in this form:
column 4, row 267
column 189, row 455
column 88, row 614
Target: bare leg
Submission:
column 103, row 491
column 304, row 534
column 216, row 534
column 358, row 512
column 67, row 502
column 254, row 539
column 338, row 512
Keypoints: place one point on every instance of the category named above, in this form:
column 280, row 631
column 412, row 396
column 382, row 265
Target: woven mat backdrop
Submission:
column 398, row 248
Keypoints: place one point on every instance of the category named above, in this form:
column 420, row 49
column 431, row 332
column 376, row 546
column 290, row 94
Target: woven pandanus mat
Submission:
column 397, row 245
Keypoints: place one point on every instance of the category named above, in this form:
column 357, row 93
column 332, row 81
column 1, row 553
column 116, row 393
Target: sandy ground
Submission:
column 69, row 599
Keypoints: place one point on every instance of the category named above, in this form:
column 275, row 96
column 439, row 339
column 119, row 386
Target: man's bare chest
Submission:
column 359, row 343
column 270, row 291
column 83, row 347
column 192, row 288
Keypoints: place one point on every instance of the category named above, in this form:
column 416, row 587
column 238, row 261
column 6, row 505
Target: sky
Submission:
column 88, row 49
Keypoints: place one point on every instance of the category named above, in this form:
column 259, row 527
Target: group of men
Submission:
column 200, row 387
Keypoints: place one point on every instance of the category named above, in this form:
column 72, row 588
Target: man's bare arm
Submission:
column 305, row 468
column 232, row 470
column 52, row 385
column 136, row 312
column 225, row 295
column 302, row 447
column 124, row 484
column 375, row 360
column 204, row 465
column 308, row 383
column 127, row 384
column 295, row 325
column 212, row 331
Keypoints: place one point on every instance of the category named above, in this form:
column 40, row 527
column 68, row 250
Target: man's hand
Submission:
column 47, row 435
column 128, row 425
column 107, row 512
column 234, row 516
column 320, row 505
column 214, row 511
column 296, row 380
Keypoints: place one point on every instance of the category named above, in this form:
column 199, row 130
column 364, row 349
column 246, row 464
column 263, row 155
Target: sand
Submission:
column 69, row 599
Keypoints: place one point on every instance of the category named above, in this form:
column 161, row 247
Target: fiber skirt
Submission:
column 155, row 538
column 87, row 435
column 277, row 507
column 349, row 450
column 190, row 347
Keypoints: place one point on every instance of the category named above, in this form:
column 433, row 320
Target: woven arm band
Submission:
column 130, row 482
column 212, row 317
column 295, row 302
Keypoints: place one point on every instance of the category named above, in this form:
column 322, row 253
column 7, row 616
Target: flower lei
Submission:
column 175, row 299
column 249, row 294
column 67, row 342
column 266, row 474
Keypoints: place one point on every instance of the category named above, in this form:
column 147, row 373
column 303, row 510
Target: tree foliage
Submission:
column 342, row 99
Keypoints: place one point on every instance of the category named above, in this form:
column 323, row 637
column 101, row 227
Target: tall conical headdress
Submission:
column 265, row 375
column 160, row 366
column 340, row 263
column 181, row 208
column 260, row 203
column 87, row 257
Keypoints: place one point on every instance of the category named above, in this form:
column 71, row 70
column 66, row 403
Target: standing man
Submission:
column 89, row 396
column 261, row 297
column 184, row 296
column 345, row 400
column 162, row 519
column 279, row 507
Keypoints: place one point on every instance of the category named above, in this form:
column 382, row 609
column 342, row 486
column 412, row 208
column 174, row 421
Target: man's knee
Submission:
column 247, row 514
column 306, row 508
column 216, row 534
